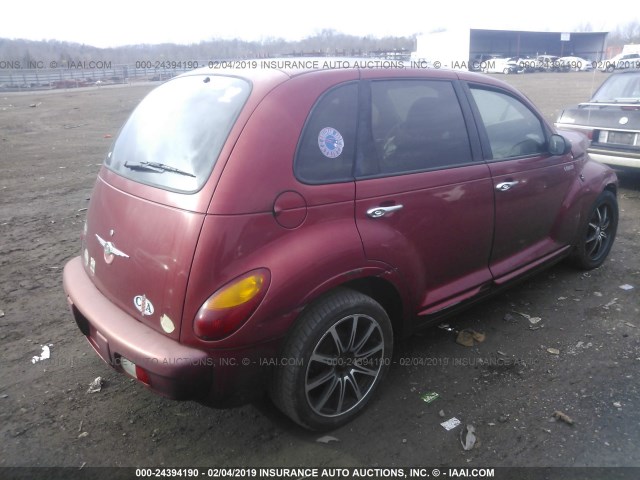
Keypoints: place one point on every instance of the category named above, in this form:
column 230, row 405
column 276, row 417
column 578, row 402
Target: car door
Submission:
column 529, row 184
column 424, row 202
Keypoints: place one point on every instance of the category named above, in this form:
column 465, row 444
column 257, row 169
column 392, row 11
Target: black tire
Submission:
column 342, row 347
column 597, row 233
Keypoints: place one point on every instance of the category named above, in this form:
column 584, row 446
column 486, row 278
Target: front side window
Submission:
column 415, row 125
column 328, row 143
column 512, row 129
column 173, row 138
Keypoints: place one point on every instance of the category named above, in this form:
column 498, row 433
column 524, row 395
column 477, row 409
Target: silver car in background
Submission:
column 611, row 120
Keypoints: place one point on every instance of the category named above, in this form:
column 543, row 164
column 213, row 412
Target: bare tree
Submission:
column 625, row 34
column 324, row 42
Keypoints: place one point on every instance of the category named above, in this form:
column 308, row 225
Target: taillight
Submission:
column 226, row 310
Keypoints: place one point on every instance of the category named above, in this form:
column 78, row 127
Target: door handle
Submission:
column 504, row 186
column 377, row 212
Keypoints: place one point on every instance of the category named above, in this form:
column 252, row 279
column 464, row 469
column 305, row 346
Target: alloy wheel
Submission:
column 344, row 365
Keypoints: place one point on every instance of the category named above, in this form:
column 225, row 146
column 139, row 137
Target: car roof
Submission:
column 267, row 73
column 260, row 69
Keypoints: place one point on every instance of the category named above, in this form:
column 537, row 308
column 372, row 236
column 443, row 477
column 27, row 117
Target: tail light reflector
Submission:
column 135, row 371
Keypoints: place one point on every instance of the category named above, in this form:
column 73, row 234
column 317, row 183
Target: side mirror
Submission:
column 558, row 145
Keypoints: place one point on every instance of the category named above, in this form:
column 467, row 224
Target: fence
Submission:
column 83, row 74
column 19, row 76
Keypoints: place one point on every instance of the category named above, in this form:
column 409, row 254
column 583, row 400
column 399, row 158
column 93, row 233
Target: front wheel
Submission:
column 598, row 232
column 342, row 348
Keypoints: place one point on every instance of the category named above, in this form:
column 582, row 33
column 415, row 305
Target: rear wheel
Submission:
column 334, row 359
column 598, row 233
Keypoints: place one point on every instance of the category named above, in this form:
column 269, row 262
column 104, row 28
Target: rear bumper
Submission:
column 615, row 158
column 174, row 370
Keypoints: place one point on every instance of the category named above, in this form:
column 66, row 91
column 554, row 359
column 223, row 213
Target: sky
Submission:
column 110, row 23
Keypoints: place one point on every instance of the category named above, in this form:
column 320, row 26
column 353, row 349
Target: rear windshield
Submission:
column 624, row 87
column 173, row 138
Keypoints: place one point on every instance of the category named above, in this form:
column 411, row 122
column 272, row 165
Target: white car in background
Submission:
column 622, row 61
column 500, row 65
column 576, row 64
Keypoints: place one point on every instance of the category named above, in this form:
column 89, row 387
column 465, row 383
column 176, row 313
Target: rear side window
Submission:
column 415, row 125
column 173, row 138
column 328, row 143
column 513, row 130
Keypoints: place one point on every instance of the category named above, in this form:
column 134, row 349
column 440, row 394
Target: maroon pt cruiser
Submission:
column 268, row 229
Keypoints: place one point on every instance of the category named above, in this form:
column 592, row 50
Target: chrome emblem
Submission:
column 110, row 250
column 623, row 120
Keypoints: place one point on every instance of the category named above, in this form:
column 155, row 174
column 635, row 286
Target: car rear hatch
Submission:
column 150, row 199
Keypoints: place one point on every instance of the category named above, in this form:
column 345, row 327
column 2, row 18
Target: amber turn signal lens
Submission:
column 230, row 307
column 237, row 293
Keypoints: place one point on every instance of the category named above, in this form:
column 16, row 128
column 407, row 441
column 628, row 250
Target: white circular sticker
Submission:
column 167, row 324
column 330, row 142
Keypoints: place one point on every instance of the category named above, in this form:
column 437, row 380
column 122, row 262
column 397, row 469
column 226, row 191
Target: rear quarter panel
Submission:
column 240, row 232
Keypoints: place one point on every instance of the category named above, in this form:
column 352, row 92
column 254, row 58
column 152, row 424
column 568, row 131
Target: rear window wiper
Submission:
column 156, row 167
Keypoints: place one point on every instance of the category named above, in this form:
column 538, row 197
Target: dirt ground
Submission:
column 508, row 387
